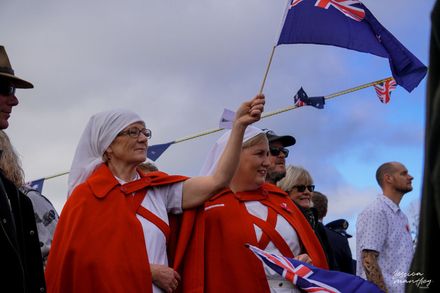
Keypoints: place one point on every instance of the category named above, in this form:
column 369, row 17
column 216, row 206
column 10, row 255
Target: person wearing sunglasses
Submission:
column 114, row 229
column 21, row 268
column 278, row 153
column 298, row 183
column 249, row 211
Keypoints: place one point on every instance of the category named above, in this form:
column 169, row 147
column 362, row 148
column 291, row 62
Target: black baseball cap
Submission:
column 286, row 140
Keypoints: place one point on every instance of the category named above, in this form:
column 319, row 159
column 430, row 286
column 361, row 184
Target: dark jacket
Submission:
column 341, row 251
column 21, row 266
column 312, row 217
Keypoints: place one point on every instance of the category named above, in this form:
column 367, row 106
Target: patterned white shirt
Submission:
column 383, row 227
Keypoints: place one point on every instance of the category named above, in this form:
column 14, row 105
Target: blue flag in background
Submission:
column 36, row 184
column 349, row 24
column 155, row 151
column 302, row 99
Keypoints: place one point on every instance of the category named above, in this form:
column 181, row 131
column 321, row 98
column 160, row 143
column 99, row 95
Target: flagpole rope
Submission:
column 357, row 88
column 265, row 115
column 198, row 135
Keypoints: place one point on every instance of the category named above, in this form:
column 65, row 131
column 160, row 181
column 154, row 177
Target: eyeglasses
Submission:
column 135, row 132
column 302, row 188
column 276, row 151
column 7, row 90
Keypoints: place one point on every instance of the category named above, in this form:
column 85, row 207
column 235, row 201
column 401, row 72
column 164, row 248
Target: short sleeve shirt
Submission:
column 383, row 227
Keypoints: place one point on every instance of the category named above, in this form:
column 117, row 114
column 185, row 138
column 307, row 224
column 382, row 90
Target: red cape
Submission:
column 214, row 257
column 99, row 244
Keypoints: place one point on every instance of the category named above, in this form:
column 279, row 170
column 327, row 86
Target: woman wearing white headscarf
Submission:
column 252, row 212
column 113, row 230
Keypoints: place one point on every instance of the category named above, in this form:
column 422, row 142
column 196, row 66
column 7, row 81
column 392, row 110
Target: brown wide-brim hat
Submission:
column 7, row 73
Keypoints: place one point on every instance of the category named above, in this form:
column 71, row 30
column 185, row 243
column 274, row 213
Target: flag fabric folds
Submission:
column 311, row 279
column 384, row 89
column 302, row 99
column 349, row 24
column 36, row 184
column 155, row 151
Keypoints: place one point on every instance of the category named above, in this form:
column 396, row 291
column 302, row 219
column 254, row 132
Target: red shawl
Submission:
column 216, row 260
column 99, row 244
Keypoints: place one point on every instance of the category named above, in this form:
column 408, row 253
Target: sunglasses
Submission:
column 7, row 90
column 276, row 151
column 302, row 188
column 135, row 132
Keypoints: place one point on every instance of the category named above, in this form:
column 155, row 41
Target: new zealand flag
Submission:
column 349, row 24
column 312, row 279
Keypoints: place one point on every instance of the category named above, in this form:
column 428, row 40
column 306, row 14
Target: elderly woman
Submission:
column 249, row 211
column 113, row 230
column 298, row 183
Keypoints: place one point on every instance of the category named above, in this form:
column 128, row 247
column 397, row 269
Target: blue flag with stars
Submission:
column 349, row 24
column 302, row 99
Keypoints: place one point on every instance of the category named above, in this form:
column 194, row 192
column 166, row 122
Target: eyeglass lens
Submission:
column 135, row 132
column 302, row 188
column 276, row 152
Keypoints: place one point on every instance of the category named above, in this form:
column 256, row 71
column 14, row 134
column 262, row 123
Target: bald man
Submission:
column 383, row 240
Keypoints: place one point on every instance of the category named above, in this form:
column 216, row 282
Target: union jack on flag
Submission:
column 349, row 24
column 384, row 89
column 344, row 6
column 311, row 279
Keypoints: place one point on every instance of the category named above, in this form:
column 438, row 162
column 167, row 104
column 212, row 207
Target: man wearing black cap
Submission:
column 278, row 155
column 21, row 266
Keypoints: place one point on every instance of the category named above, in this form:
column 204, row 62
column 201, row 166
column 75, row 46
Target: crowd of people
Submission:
column 128, row 227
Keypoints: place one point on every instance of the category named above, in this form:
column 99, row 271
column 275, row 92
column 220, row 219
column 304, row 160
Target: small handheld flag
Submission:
column 384, row 89
column 312, row 279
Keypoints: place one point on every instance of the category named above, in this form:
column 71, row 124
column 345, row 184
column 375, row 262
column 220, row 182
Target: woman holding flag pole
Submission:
column 113, row 231
column 249, row 211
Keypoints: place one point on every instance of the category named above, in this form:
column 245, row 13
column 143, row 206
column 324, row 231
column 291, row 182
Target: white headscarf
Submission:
column 99, row 133
column 219, row 146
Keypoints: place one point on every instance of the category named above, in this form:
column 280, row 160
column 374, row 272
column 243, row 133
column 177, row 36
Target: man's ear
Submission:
column 388, row 178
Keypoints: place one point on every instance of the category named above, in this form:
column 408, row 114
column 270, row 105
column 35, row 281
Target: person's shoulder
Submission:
column 35, row 195
column 221, row 196
column 273, row 189
column 339, row 227
column 162, row 178
column 375, row 206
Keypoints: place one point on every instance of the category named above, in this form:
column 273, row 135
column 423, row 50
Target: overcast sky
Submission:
column 179, row 63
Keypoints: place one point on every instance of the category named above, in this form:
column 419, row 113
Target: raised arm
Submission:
column 198, row 189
